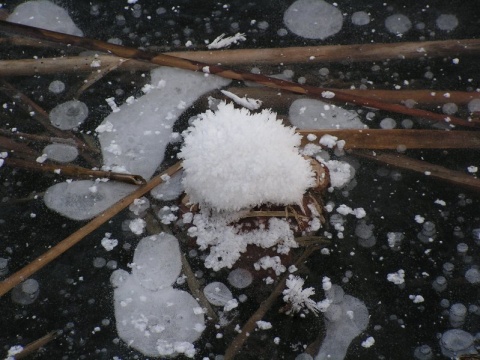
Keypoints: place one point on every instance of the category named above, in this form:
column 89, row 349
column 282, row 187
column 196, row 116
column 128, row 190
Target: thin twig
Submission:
column 37, row 344
column 57, row 250
column 250, row 325
column 425, row 168
column 398, row 139
column 75, row 171
column 167, row 60
column 272, row 56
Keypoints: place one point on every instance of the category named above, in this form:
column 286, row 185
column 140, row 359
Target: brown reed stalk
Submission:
column 64, row 245
column 167, row 60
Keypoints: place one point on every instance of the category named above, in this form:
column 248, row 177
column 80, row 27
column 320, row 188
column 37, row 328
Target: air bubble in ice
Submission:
column 360, row 18
column 447, row 22
column 398, row 24
column 61, row 153
column 26, row 292
column 56, row 87
column 472, row 275
column 217, row 293
column 240, row 278
column 68, row 115
column 457, row 342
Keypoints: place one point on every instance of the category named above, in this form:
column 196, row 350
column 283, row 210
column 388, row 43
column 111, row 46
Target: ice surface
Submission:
column 46, row 15
column 171, row 189
column 313, row 19
column 151, row 316
column 76, row 200
column 68, row 115
column 157, row 261
column 344, row 322
column 156, row 322
column 142, row 130
column 234, row 159
column 316, row 114
column 61, row 153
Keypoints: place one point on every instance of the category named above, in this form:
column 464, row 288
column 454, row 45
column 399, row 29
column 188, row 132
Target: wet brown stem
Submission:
column 64, row 245
column 168, row 60
column 37, row 344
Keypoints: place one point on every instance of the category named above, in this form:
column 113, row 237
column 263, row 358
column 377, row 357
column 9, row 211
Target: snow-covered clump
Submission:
column 313, row 19
column 297, row 296
column 151, row 316
column 234, row 159
column 227, row 242
column 316, row 114
column 46, row 15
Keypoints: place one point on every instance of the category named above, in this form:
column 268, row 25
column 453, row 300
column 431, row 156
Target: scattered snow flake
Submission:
column 107, row 127
column 440, row 202
column 206, row 69
column 230, row 305
column 264, row 325
column 397, row 278
column 419, row 219
column 273, row 262
column 298, row 297
column 42, row 158
column 456, row 61
column 472, row 169
column 328, row 140
column 328, row 94
column 311, row 137
column 276, row 340
column 268, row 280
column 96, row 63
column 111, row 102
column 416, row 298
column 137, row 226
column 108, row 243
column 368, row 342
column 326, row 283
column 222, row 41
column 428, row 173
column 147, row 88
column 251, row 104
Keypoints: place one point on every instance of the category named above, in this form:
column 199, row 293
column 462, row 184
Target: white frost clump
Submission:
column 45, row 15
column 313, row 19
column 222, row 41
column 226, row 242
column 298, row 297
column 397, row 278
column 234, row 159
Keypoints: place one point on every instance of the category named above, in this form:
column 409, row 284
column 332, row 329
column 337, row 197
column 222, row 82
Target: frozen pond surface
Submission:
column 403, row 251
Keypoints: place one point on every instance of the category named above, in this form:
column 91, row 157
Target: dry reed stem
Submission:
column 379, row 139
column 431, row 170
column 75, row 171
column 250, row 325
column 167, row 60
column 273, row 56
column 8, row 144
column 35, row 345
column 272, row 98
column 57, row 250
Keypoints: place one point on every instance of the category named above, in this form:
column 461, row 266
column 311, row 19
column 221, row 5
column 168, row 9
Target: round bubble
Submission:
column 456, row 342
column 61, row 153
column 473, row 276
column 217, row 293
column 360, row 18
column 240, row 278
column 313, row 19
column 474, row 105
column 398, row 24
column 447, row 22
column 56, row 87
column 69, row 114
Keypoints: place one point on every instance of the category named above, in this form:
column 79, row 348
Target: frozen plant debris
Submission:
column 298, row 297
column 250, row 104
column 223, row 42
column 234, row 159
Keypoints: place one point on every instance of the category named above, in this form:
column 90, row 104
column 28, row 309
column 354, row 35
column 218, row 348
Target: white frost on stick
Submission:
column 222, row 41
column 234, row 159
column 250, row 104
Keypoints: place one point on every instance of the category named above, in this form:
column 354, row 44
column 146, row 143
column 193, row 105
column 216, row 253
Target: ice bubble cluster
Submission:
column 68, row 115
column 61, row 153
column 46, row 15
column 457, row 342
column 345, row 319
column 313, row 19
column 136, row 146
column 316, row 114
column 151, row 316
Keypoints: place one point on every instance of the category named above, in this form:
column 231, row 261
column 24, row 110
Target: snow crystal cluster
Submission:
column 151, row 316
column 234, row 159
